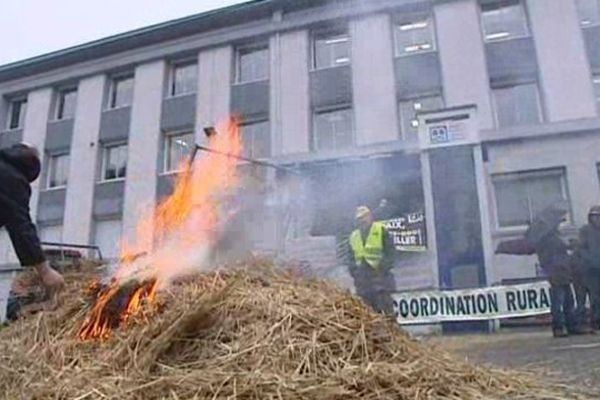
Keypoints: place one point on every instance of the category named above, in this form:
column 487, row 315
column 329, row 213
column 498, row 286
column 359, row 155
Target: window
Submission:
column 333, row 129
column 58, row 171
column 520, row 196
column 121, row 92
column 177, row 149
column 184, row 78
column 331, row 50
column 408, row 114
column 252, row 64
column 256, row 139
column 503, row 19
column 517, row 105
column 66, row 103
column 16, row 114
column 596, row 81
column 414, row 36
column 589, row 12
column 114, row 162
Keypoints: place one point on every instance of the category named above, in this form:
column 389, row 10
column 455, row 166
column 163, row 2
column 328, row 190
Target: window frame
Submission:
column 105, row 152
column 59, row 101
column 114, row 80
column 22, row 115
column 238, row 63
column 321, row 34
column 540, row 105
column 528, row 34
column 167, row 136
column 172, row 74
column 412, row 20
column 331, row 109
column 49, row 170
column 512, row 176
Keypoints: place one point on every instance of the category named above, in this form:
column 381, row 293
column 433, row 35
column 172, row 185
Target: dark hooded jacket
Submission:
column 589, row 242
column 19, row 166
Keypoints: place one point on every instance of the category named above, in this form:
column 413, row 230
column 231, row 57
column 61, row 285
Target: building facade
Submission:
column 334, row 89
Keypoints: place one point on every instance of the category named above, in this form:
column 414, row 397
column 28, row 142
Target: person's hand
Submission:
column 52, row 281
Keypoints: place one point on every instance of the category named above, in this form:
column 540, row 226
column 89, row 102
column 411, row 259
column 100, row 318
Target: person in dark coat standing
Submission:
column 589, row 250
column 19, row 166
column 542, row 238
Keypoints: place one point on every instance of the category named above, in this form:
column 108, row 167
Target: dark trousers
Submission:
column 375, row 287
column 593, row 286
column 563, row 313
column 582, row 293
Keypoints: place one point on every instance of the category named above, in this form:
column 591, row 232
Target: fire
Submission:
column 174, row 239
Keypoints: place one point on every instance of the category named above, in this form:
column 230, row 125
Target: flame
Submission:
column 174, row 239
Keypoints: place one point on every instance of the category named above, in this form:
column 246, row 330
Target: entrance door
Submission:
column 457, row 224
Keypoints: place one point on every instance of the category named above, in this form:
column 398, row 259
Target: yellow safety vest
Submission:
column 371, row 250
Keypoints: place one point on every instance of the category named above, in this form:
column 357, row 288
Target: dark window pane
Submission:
column 503, row 20
column 521, row 196
column 58, row 173
column 517, row 105
column 18, row 109
column 331, row 50
column 67, row 101
column 178, row 149
column 253, row 64
column 256, row 138
column 333, row 130
column 115, row 162
column 122, row 93
column 416, row 36
column 185, row 78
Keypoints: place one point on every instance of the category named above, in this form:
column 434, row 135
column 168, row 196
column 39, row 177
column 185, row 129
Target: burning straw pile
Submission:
column 249, row 333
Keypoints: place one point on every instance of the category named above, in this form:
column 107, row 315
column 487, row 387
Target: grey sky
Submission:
column 32, row 27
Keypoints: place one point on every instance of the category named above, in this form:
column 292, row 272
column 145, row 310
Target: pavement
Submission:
column 574, row 360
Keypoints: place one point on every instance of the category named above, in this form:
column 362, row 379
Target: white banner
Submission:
column 496, row 302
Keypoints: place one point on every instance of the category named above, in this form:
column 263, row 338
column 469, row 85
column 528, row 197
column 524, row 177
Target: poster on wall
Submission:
column 408, row 232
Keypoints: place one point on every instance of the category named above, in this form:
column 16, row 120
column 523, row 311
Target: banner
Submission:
column 408, row 232
column 496, row 302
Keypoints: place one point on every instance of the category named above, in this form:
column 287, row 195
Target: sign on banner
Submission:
column 496, row 302
column 408, row 232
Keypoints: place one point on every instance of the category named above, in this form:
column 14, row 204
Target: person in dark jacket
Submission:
column 589, row 249
column 372, row 261
column 580, row 284
column 554, row 259
column 19, row 166
column 542, row 238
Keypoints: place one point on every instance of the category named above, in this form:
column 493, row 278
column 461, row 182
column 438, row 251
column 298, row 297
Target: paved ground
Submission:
column 574, row 360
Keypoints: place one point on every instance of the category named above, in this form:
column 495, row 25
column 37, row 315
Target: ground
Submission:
column 573, row 360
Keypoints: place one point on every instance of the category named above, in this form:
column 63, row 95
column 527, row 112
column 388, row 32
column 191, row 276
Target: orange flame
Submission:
column 183, row 230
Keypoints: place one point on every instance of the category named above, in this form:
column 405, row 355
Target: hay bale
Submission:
column 248, row 334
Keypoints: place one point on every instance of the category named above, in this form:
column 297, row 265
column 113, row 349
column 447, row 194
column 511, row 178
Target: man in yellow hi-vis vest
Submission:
column 372, row 253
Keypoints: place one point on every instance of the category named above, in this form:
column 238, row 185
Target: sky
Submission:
column 30, row 28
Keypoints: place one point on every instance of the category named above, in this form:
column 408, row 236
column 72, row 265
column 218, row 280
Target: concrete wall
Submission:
column 291, row 125
column 214, row 87
column 465, row 78
column 144, row 142
column 82, row 169
column 375, row 108
column 564, row 68
column 34, row 132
